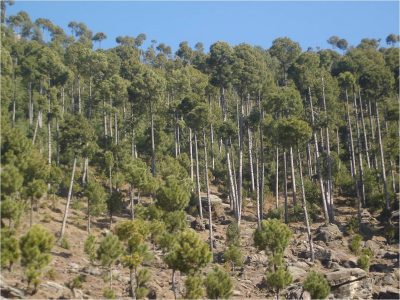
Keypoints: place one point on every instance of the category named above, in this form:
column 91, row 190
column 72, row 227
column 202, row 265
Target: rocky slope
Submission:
column 333, row 259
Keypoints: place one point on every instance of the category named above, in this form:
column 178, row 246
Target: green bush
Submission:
column 9, row 246
column 352, row 226
column 90, row 247
column 355, row 244
column 316, row 285
column 275, row 213
column 218, row 284
column 109, row 293
column 233, row 234
column 345, row 183
column 312, row 191
column 194, row 287
column 273, row 235
column 234, row 256
column 175, row 221
column 174, row 195
column 363, row 262
column 77, row 282
column 296, row 213
column 64, row 243
column 35, row 247
column 278, row 279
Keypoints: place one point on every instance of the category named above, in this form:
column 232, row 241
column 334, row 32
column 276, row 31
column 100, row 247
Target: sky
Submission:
column 258, row 23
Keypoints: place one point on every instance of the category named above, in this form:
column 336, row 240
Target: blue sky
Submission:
column 256, row 23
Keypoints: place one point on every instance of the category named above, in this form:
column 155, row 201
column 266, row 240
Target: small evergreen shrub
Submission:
column 316, row 285
column 90, row 247
column 363, row 262
column 64, row 243
column 194, row 287
column 109, row 293
column 218, row 284
column 233, row 234
column 355, row 244
column 233, row 255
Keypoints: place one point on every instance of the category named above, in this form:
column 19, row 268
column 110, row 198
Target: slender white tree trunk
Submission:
column 191, row 155
column 210, row 230
column 285, row 187
column 198, row 176
column 293, row 177
column 277, row 179
column 64, row 222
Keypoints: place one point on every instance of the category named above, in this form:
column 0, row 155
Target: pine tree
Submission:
column 218, row 284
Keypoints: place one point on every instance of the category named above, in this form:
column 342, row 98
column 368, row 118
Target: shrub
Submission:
column 9, row 247
column 35, row 247
column 109, row 293
column 363, row 262
column 90, row 247
column 218, row 284
column 352, row 226
column 234, row 256
column 312, row 191
column 175, row 221
column 64, row 243
column 194, row 287
column 273, row 236
column 233, row 234
column 296, row 213
column 278, row 279
column 355, row 244
column 275, row 213
column 316, row 285
column 77, row 282
column 174, row 195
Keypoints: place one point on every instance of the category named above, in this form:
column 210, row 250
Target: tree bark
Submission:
column 353, row 159
column 305, row 209
column 293, row 177
column 285, row 188
column 387, row 201
column 208, row 195
column 360, row 167
column 277, row 179
column 198, row 176
column 250, row 141
column 191, row 155
column 153, row 146
column 364, row 131
column 64, row 222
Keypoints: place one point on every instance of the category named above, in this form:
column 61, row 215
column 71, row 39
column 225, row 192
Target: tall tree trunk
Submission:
column 64, row 222
column 261, row 169
column 58, row 141
column 250, row 141
column 258, row 192
column 321, row 183
column 131, row 196
column 212, row 147
column 210, row 230
column 329, row 194
column 240, row 155
column 79, row 95
column 132, row 283
column 231, row 179
column 387, row 201
column 338, row 148
column 191, row 155
column 305, row 208
column 364, row 131
column 277, row 179
column 285, row 187
column 30, row 108
column 309, row 165
column 90, row 98
column 293, row 177
column 153, row 146
column 36, row 129
column 198, row 176
column 14, row 92
column 353, row 159
column 49, row 142
column 116, row 128
column 361, row 186
column 173, row 283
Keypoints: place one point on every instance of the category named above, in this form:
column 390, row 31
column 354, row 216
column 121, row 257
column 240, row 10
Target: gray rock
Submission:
column 296, row 292
column 213, row 199
column 328, row 233
column 298, row 274
column 197, row 225
column 374, row 246
column 344, row 276
column 237, row 293
column 387, row 293
column 92, row 270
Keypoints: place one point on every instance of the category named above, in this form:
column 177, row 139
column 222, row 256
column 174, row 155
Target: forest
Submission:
column 233, row 172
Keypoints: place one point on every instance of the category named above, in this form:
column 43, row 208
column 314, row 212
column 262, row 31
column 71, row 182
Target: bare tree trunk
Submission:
column 79, row 96
column 305, row 209
column 285, row 188
column 132, row 283
column 198, row 176
column 387, row 201
column 231, row 180
column 132, row 202
column 36, row 129
column 353, row 159
column 364, row 131
column 191, row 155
column 212, row 147
column 176, row 136
column 258, row 193
column 262, row 169
column 173, row 283
column 293, row 177
column 309, row 165
column 321, row 184
column 360, row 167
column 116, row 128
column 49, row 142
column 14, row 92
column 250, row 141
column 30, row 107
column 64, row 222
column 85, row 170
column 58, row 141
column 153, row 146
column 208, row 196
column 277, row 179
column 338, row 148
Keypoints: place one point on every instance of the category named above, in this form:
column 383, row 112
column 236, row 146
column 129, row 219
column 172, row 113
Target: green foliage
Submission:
column 35, row 247
column 64, row 243
column 109, row 293
column 109, row 250
column 218, row 284
column 316, row 285
column 355, row 244
column 189, row 253
column 272, row 236
column 234, row 256
column 194, row 287
column 90, row 247
column 312, row 190
column 175, row 221
column 143, row 276
column 96, row 195
column 233, row 234
column 363, row 262
column 278, row 279
column 352, row 225
column 275, row 213
column 174, row 195
column 77, row 282
column 11, row 209
column 9, row 246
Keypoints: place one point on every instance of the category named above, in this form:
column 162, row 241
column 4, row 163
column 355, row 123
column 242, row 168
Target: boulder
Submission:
column 91, row 270
column 197, row 225
column 387, row 293
column 298, row 274
column 374, row 246
column 8, row 291
column 344, row 276
column 55, row 289
column 296, row 292
column 328, row 233
column 214, row 199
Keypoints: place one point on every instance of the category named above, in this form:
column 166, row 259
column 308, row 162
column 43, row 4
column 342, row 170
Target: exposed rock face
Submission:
column 7, row 291
column 296, row 292
column 387, row 293
column 328, row 233
column 350, row 283
column 298, row 274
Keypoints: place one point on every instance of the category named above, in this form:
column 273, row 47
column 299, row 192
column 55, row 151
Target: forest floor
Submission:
column 333, row 258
